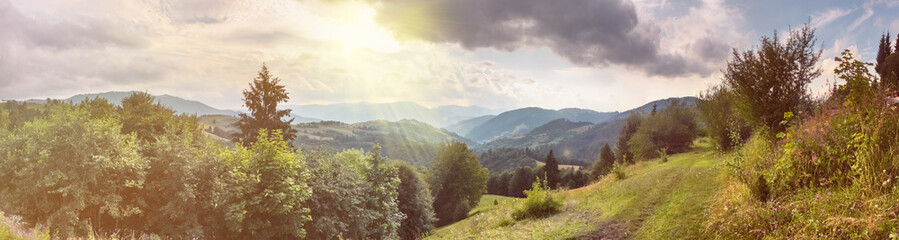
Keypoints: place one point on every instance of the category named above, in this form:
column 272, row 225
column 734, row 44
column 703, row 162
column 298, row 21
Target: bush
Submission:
column 618, row 170
column 751, row 161
column 716, row 109
column 663, row 154
column 760, row 189
column 539, row 203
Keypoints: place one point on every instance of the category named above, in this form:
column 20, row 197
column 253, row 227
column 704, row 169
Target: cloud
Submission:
column 821, row 19
column 592, row 33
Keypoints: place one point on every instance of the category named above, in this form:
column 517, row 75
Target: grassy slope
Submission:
column 656, row 200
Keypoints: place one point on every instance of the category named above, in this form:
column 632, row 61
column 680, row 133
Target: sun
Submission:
column 352, row 25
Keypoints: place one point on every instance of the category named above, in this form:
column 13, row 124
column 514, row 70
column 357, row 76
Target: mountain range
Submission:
column 364, row 111
column 521, row 121
column 412, row 132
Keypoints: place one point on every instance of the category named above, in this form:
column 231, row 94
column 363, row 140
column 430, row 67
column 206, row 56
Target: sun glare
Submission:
column 353, row 25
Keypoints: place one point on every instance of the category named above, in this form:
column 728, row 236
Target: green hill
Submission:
column 655, row 201
column 407, row 140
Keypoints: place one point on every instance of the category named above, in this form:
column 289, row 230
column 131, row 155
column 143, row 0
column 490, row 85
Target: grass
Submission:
column 656, row 200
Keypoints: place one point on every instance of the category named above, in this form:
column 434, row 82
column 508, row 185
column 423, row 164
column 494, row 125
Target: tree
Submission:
column 67, row 171
column 891, row 72
column 673, row 129
column 627, row 131
column 883, row 51
column 551, row 169
column 262, row 101
column 415, row 202
column 521, row 180
column 772, row 80
column 140, row 115
column 716, row 109
column 604, row 164
column 183, row 163
column 457, row 182
column 267, row 199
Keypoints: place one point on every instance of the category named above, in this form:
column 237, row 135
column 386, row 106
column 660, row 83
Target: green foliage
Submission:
column 716, row 109
column 618, row 170
column 504, row 159
column 457, row 182
column 663, row 154
column 415, row 202
column 68, row 171
column 262, row 102
column 883, row 51
column 622, row 146
column 15, row 114
column 602, row 166
column 269, row 190
column 772, row 79
column 760, row 189
column 184, row 168
column 890, row 72
column 539, row 203
column 520, row 181
column 673, row 128
column 551, row 170
column 139, row 115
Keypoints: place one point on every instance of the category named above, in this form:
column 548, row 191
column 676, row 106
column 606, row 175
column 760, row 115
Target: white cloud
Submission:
column 822, row 19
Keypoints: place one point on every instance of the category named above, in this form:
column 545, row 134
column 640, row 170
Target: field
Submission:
column 655, row 200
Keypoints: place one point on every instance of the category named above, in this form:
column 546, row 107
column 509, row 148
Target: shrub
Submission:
column 539, row 203
column 751, row 161
column 618, row 170
column 663, row 154
column 760, row 189
column 716, row 109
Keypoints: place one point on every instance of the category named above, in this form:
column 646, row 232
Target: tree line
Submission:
column 139, row 168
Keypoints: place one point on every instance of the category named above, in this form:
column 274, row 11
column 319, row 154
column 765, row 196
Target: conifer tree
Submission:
column 262, row 101
column 552, row 170
column 883, row 52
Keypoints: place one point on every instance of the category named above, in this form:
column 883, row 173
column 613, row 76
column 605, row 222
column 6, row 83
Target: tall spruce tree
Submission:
column 883, row 51
column 552, row 170
column 262, row 100
column 604, row 164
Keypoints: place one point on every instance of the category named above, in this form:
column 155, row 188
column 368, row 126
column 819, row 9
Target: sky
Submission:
column 605, row 55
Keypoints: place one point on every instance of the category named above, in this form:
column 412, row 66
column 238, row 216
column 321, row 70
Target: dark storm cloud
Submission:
column 585, row 32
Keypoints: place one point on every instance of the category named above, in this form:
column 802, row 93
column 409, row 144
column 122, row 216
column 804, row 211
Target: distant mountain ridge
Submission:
column 573, row 140
column 441, row 116
column 521, row 121
column 180, row 105
column 465, row 126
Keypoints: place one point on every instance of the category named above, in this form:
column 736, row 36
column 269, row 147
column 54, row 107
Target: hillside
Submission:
column 365, row 111
column 578, row 141
column 521, row 121
column 465, row 126
column 408, row 140
column 655, row 201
